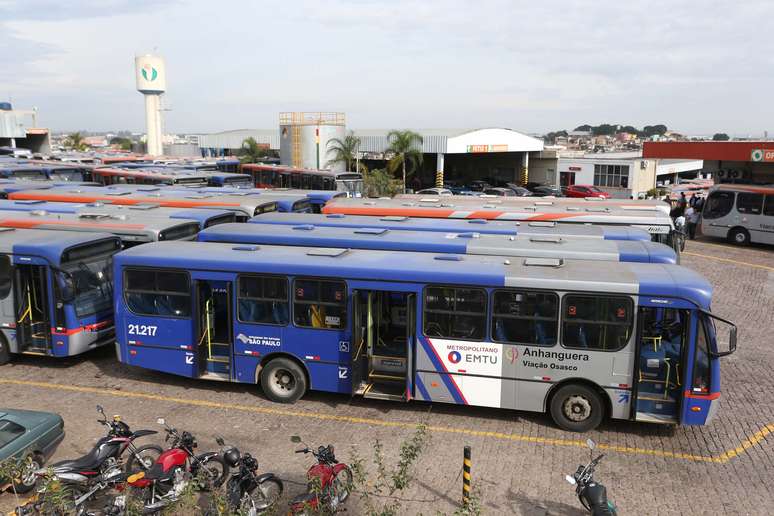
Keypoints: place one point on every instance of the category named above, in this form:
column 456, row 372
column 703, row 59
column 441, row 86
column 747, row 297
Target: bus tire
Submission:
column 739, row 236
column 283, row 381
column 577, row 408
column 5, row 352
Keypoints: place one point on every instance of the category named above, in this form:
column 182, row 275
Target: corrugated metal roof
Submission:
column 233, row 139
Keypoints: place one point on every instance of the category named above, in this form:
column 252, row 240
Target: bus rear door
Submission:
column 383, row 341
column 214, row 329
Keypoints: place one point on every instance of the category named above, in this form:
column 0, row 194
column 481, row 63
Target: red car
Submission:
column 585, row 191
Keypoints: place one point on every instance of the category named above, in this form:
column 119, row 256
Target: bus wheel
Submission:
column 739, row 236
column 283, row 381
column 577, row 408
column 5, row 353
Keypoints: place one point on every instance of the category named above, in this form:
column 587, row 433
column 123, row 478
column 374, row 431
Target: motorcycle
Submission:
column 247, row 492
column 592, row 494
column 99, row 469
column 174, row 470
column 329, row 482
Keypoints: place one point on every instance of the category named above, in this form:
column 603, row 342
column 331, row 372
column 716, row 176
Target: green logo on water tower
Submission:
column 149, row 73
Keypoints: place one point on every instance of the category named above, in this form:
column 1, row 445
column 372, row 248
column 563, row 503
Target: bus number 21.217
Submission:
column 142, row 329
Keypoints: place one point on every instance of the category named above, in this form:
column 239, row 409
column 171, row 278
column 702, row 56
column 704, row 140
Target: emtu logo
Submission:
column 455, row 357
column 149, row 73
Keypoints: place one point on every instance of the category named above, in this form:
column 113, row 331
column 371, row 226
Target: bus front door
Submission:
column 33, row 325
column 382, row 343
column 214, row 315
column 658, row 375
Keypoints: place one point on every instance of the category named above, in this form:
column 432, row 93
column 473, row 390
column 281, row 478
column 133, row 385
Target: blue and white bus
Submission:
column 56, row 292
column 434, row 242
column 204, row 217
column 484, row 227
column 244, row 207
column 579, row 340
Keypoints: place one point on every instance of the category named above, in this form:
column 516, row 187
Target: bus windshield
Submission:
column 67, row 174
column 353, row 187
column 93, row 282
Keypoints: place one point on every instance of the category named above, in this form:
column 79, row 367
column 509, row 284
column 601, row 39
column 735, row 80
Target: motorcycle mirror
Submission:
column 591, row 444
column 99, row 409
column 570, row 480
column 220, row 441
column 295, row 439
column 161, row 421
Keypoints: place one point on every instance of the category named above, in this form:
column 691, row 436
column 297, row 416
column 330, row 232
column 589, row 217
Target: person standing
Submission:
column 692, row 219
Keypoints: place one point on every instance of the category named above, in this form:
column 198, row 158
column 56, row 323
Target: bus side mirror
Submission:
column 66, row 286
column 731, row 344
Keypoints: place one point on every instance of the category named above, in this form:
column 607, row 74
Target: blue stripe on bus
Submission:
column 447, row 379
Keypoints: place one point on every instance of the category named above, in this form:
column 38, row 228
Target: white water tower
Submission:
column 151, row 77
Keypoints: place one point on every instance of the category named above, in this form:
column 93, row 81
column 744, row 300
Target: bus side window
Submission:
column 768, row 206
column 162, row 293
column 749, row 203
column 718, row 205
column 5, row 276
column 455, row 313
column 263, row 300
column 524, row 317
column 601, row 323
column 700, row 383
column 319, row 304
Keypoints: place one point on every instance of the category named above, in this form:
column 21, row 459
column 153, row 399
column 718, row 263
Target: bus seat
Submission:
column 280, row 313
column 500, row 332
column 163, row 306
column 540, row 333
column 142, row 303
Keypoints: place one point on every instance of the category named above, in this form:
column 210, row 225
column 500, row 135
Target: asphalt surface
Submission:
column 519, row 458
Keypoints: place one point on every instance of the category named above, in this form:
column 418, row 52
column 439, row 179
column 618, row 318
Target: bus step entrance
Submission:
column 385, row 391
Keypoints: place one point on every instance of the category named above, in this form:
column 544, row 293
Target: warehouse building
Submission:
column 461, row 156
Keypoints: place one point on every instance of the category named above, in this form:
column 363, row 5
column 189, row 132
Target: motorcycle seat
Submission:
column 88, row 462
column 305, row 498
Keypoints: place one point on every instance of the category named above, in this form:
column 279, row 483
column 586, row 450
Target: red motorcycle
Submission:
column 329, row 486
column 175, row 470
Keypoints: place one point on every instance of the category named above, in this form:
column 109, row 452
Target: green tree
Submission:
column 124, row 143
column 378, row 183
column 252, row 151
column 405, row 151
column 584, row 127
column 720, row 137
column 344, row 151
column 75, row 141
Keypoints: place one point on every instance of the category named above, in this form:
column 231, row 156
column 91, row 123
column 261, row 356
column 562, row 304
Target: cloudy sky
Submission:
column 696, row 66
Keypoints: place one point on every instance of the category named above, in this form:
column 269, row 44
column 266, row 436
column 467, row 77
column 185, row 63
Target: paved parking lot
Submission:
column 519, row 459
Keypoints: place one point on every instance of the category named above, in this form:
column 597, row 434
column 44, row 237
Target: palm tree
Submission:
column 344, row 151
column 405, row 150
column 251, row 151
column 75, row 141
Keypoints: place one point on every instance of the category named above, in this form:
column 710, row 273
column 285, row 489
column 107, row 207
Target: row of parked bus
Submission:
column 579, row 309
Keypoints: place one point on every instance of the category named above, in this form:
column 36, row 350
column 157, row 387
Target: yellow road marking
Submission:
column 724, row 457
column 728, row 260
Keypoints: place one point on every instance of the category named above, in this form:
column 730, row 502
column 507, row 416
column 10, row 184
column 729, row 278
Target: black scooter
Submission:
column 592, row 494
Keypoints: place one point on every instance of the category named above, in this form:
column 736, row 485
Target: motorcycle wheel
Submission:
column 143, row 459
column 211, row 473
column 264, row 496
column 342, row 484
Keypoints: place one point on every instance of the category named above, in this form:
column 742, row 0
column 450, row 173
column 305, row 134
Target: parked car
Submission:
column 479, row 186
column 29, row 435
column 520, row 191
column 500, row 192
column 435, row 191
column 585, row 191
column 543, row 191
